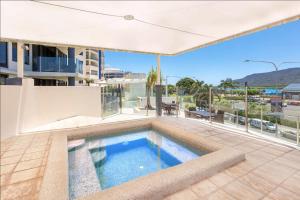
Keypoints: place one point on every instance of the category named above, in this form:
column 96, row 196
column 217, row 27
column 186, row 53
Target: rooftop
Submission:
column 293, row 87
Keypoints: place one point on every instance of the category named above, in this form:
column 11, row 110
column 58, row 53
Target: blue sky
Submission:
column 223, row 60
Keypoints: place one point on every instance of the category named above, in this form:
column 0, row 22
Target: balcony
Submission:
column 57, row 64
column 92, row 63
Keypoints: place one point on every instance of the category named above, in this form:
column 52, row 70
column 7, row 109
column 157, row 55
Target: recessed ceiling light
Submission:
column 129, row 17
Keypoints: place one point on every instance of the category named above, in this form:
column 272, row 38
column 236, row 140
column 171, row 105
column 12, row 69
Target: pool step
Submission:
column 95, row 144
column 98, row 155
column 83, row 178
column 75, row 144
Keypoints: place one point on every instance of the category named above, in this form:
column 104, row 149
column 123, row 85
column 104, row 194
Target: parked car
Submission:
column 266, row 125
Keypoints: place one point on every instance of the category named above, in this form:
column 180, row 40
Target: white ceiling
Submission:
column 216, row 20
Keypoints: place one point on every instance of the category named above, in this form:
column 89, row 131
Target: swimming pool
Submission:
column 100, row 163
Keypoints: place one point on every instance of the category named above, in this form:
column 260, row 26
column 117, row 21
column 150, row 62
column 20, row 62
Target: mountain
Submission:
column 280, row 77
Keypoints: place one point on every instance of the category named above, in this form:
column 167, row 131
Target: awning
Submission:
column 160, row 27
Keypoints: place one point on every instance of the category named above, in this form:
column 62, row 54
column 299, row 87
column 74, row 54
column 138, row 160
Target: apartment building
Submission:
column 50, row 65
column 94, row 64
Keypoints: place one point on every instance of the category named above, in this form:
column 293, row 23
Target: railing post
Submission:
column 177, row 103
column 261, row 118
column 210, row 121
column 246, row 106
column 40, row 64
column 237, row 117
column 298, row 131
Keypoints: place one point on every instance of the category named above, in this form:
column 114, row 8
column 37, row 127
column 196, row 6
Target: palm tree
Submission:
column 151, row 80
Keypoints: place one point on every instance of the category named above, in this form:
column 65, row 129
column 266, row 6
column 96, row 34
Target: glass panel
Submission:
column 3, row 54
column 110, row 100
column 228, row 106
column 79, row 66
column 194, row 100
column 26, row 54
column 14, row 52
column 270, row 115
column 134, row 99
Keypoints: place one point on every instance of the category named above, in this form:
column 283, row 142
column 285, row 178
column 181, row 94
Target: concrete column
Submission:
column 158, row 88
column 71, row 59
column 158, row 70
column 20, row 57
column 102, row 65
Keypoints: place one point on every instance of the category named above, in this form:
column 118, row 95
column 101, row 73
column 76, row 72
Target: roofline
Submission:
column 267, row 26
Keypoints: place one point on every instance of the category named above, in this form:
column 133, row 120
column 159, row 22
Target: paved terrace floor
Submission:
column 270, row 172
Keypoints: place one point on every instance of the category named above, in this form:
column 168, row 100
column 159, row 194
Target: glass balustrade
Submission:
column 57, row 64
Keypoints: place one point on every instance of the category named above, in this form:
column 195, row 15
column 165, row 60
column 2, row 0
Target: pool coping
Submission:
column 153, row 186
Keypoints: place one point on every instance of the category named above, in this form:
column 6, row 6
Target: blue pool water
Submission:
column 100, row 163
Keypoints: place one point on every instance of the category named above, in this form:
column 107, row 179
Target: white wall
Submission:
column 9, row 96
column 26, row 107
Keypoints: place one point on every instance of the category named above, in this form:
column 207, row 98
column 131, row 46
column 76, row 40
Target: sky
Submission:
column 224, row 60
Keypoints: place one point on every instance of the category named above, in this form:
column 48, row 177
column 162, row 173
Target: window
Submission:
column 94, row 72
column 26, row 54
column 3, row 54
column 14, row 52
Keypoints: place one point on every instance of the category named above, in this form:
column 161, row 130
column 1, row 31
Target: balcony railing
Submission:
column 57, row 64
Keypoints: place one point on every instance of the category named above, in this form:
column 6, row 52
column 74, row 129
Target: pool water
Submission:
column 119, row 159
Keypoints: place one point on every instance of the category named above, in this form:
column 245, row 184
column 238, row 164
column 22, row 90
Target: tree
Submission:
column 185, row 84
column 89, row 81
column 151, row 80
column 228, row 83
column 171, row 89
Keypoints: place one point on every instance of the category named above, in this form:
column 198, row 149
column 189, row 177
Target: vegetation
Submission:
column 89, row 81
column 151, row 80
column 228, row 83
column 171, row 90
column 185, row 85
column 194, row 91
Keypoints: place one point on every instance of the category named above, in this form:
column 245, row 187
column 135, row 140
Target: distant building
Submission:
column 94, row 64
column 292, row 91
column 132, row 75
column 112, row 73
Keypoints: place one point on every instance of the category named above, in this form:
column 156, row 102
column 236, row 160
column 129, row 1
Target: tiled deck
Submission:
column 23, row 160
column 270, row 172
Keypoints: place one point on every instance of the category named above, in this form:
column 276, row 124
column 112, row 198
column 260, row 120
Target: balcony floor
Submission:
column 270, row 171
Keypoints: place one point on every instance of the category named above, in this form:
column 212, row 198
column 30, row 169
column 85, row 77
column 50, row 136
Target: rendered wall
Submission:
column 26, row 107
column 9, row 97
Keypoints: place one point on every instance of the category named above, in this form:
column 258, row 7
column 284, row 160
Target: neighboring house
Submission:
column 292, row 92
column 50, row 65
